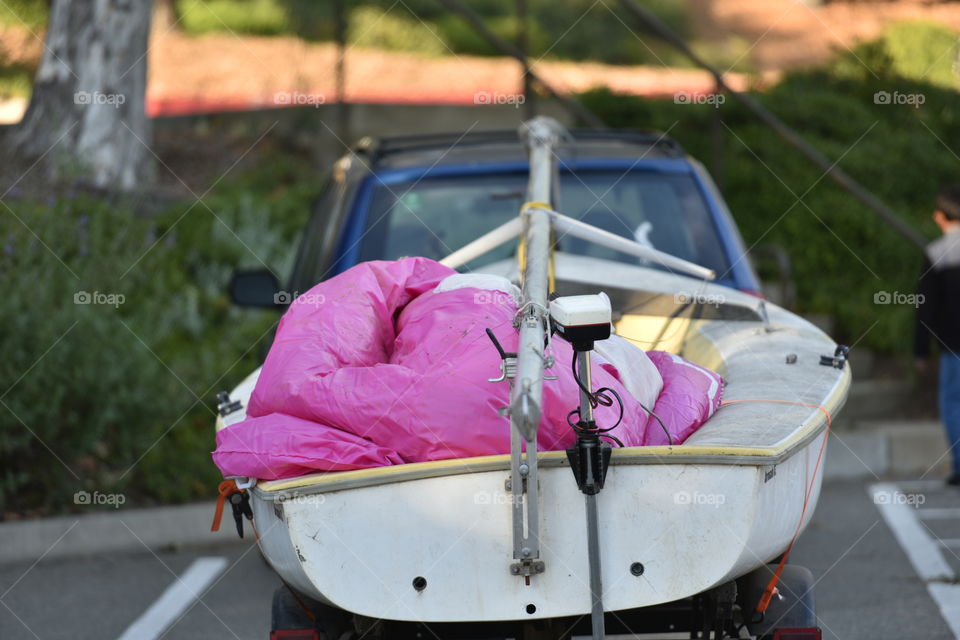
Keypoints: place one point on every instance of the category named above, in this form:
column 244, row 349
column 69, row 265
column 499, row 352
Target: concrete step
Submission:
column 877, row 448
column 130, row 530
column 878, row 399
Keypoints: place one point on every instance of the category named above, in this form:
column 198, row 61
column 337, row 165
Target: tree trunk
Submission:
column 87, row 113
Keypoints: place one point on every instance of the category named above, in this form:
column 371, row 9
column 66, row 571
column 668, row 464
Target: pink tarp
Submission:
column 378, row 366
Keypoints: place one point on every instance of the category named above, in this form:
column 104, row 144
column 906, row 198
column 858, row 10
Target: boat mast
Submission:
column 542, row 135
column 589, row 455
column 537, row 222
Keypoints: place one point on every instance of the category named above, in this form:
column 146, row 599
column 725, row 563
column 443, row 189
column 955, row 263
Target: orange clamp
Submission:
column 226, row 489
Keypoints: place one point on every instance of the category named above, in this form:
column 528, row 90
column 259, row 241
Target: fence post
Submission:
column 340, row 71
column 523, row 44
column 717, row 139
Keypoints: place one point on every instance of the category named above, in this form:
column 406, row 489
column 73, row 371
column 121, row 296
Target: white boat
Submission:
column 439, row 542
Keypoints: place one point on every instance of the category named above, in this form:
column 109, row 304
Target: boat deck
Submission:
column 750, row 354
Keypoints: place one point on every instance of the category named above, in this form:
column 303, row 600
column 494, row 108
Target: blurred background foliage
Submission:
column 842, row 252
column 426, row 27
column 589, row 31
column 28, row 13
column 913, row 49
column 123, row 398
column 16, row 79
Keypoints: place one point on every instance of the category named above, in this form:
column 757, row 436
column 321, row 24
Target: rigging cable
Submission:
column 599, row 398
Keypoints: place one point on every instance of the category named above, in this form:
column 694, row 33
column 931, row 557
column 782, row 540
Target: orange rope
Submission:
column 771, row 587
column 225, row 488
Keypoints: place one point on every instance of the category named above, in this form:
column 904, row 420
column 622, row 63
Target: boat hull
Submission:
column 686, row 517
column 690, row 526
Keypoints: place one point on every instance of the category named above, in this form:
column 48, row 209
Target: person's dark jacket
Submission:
column 938, row 313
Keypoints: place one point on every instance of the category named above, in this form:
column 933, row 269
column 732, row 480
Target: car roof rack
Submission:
column 378, row 148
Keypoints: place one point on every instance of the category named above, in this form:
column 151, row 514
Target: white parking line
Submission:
column 175, row 600
column 923, row 550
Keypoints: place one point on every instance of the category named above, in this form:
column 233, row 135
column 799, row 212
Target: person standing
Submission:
column 938, row 315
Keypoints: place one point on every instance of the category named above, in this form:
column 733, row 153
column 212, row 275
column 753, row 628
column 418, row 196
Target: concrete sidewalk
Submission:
column 123, row 530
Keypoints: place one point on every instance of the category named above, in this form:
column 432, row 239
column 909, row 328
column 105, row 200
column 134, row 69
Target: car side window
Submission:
column 316, row 245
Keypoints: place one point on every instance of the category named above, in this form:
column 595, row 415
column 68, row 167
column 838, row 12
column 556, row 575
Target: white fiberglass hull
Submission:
column 726, row 501
column 690, row 526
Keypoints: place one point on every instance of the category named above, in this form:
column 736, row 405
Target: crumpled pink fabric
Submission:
column 690, row 395
column 373, row 367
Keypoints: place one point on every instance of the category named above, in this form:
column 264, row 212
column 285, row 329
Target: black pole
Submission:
column 523, row 43
column 589, row 459
column 340, row 71
column 716, row 139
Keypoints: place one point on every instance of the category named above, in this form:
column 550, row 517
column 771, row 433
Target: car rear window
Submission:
column 433, row 217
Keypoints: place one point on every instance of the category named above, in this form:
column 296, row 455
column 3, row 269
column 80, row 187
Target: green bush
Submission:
column 393, row 30
column 914, row 50
column 117, row 394
column 463, row 39
column 258, row 17
column 570, row 30
column 32, row 14
column 842, row 252
column 16, row 80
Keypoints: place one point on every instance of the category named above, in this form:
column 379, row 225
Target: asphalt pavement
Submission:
column 868, row 588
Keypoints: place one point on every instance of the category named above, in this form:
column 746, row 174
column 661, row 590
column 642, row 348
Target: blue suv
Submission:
column 429, row 195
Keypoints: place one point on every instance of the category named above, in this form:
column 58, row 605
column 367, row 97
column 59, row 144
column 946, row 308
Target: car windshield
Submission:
column 433, row 217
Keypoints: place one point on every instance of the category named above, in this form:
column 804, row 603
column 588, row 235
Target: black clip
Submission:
column 240, row 503
column 225, row 405
column 838, row 359
column 496, row 343
column 589, row 459
column 508, row 360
